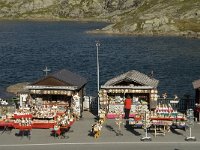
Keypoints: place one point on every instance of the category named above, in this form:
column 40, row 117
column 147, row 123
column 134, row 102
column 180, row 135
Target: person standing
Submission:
column 127, row 106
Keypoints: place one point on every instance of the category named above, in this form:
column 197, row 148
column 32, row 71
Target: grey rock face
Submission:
column 16, row 8
column 127, row 16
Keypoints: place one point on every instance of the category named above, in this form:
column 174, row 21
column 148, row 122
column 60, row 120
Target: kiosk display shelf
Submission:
column 116, row 103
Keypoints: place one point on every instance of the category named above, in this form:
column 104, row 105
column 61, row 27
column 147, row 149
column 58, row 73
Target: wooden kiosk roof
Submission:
column 62, row 78
column 133, row 77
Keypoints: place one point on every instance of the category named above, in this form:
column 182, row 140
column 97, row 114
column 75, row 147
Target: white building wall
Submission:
column 23, row 98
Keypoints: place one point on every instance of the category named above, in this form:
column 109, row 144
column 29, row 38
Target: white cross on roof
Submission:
column 46, row 70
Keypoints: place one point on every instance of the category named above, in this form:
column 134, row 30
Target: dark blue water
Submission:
column 27, row 47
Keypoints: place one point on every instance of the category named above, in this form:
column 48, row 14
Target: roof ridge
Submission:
column 136, row 76
column 68, row 77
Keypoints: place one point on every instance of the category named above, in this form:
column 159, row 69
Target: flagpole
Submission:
column 97, row 46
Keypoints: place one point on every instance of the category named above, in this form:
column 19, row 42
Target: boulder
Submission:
column 17, row 87
column 168, row 28
column 129, row 28
column 147, row 26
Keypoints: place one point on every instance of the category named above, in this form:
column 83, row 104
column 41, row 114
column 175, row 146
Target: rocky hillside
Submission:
column 171, row 17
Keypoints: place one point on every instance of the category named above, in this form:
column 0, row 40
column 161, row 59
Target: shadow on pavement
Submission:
column 26, row 133
column 110, row 128
column 132, row 130
column 94, row 112
column 23, row 133
column 90, row 133
column 6, row 130
column 173, row 130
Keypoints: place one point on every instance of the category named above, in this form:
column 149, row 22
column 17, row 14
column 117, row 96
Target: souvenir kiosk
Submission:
column 142, row 88
column 196, row 85
column 55, row 99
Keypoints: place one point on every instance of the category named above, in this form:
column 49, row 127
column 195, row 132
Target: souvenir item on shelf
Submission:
column 139, row 103
column 96, row 129
column 76, row 105
column 118, row 100
column 102, row 114
column 146, row 119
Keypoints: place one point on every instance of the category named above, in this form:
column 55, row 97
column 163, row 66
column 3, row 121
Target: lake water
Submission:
column 27, row 47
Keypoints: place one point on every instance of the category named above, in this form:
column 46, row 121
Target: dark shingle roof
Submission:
column 135, row 76
column 69, row 77
column 196, row 84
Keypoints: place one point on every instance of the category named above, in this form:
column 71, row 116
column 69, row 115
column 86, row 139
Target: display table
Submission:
column 168, row 118
column 159, row 129
column 23, row 130
column 113, row 116
column 178, row 121
column 61, row 130
column 34, row 125
column 161, row 126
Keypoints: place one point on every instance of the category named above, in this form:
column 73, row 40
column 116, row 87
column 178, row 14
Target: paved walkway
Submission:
column 110, row 129
column 80, row 130
column 82, row 127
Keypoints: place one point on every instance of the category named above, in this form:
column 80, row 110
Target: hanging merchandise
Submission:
column 119, row 121
column 190, row 122
column 76, row 105
column 146, row 125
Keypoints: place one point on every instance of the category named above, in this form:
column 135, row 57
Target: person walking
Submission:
column 127, row 106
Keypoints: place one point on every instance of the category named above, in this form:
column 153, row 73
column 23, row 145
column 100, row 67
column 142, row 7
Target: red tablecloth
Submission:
column 34, row 125
column 137, row 118
column 6, row 124
column 167, row 118
column 40, row 125
column 59, row 113
column 113, row 116
column 17, row 126
column 16, row 116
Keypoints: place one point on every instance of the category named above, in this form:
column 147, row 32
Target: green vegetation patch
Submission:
column 185, row 25
column 118, row 25
column 187, row 5
column 4, row 4
column 147, row 5
column 42, row 11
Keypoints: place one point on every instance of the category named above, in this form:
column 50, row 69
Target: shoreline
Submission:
column 185, row 34
column 54, row 19
column 99, row 31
